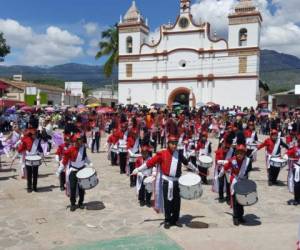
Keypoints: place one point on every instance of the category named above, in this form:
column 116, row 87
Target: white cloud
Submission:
column 55, row 46
column 93, row 47
column 279, row 31
column 91, row 29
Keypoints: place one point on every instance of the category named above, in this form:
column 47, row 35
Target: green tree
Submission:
column 109, row 46
column 4, row 48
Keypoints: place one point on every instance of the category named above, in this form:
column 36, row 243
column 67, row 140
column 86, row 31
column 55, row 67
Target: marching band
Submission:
column 152, row 147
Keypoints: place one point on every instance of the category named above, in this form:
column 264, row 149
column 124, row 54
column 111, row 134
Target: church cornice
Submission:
column 198, row 78
column 252, row 14
column 199, row 51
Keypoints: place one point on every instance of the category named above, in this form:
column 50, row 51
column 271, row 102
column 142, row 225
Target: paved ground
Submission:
column 114, row 220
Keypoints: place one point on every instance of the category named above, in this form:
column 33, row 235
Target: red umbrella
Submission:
column 27, row 109
column 104, row 110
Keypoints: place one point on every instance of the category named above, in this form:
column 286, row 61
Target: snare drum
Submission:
column 114, row 149
column 33, row 160
column 148, row 182
column 278, row 162
column 245, row 192
column 205, row 161
column 133, row 158
column 251, row 146
column 122, row 148
column 87, row 178
column 190, row 186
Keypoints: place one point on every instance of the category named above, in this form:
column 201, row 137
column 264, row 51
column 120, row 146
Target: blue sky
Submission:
column 49, row 32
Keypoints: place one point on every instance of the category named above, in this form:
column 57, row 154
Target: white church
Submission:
column 188, row 64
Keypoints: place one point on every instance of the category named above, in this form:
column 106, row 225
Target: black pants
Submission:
column 122, row 162
column 296, row 189
column 32, row 176
column 203, row 174
column 132, row 177
column 162, row 142
column 96, row 142
column 172, row 208
column 143, row 194
column 222, row 181
column 238, row 210
column 113, row 158
column 73, row 186
column 154, row 144
column 273, row 173
column 62, row 179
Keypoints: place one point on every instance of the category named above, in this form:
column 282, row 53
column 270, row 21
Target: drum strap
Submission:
column 276, row 147
column 170, row 181
column 297, row 173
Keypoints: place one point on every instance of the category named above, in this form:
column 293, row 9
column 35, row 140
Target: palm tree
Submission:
column 4, row 49
column 109, row 46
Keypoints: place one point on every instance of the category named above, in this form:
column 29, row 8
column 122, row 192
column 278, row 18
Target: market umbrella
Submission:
column 93, row 105
column 104, row 110
column 49, row 109
column 27, row 109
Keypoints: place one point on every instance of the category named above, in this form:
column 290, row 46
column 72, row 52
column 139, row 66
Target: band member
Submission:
column 133, row 148
column 169, row 163
column 144, row 195
column 294, row 172
column 59, row 156
column 95, row 137
column 76, row 159
column 251, row 138
column 203, row 148
column 123, row 145
column 237, row 165
column 225, row 152
column 273, row 149
column 31, row 145
column 112, row 142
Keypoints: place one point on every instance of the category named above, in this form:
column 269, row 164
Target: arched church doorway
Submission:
column 181, row 95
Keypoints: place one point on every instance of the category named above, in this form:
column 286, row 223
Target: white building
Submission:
column 187, row 63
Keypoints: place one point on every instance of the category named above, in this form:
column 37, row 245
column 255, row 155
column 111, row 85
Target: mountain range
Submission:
column 280, row 71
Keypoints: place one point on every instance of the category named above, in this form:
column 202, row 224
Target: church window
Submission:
column 128, row 70
column 242, row 64
column 129, row 44
column 183, row 22
column 243, row 36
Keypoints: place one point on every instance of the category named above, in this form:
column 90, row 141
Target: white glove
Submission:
column 254, row 151
column 135, row 171
column 57, row 158
column 140, row 169
column 222, row 172
column 222, row 162
column 285, row 157
column 193, row 167
column 130, row 152
column 59, row 170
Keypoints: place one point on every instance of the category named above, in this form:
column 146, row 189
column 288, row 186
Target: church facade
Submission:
column 186, row 63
